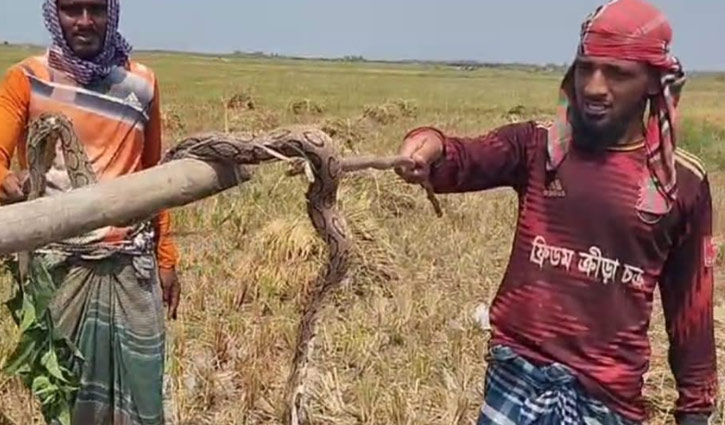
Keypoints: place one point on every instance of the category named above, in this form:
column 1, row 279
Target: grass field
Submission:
column 398, row 345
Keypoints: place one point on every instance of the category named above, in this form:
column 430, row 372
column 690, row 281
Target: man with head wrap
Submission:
column 109, row 290
column 609, row 209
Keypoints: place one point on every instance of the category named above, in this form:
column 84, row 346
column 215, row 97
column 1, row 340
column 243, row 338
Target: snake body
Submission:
column 44, row 134
column 324, row 171
column 317, row 148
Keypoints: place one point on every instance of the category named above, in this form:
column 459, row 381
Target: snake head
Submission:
column 43, row 136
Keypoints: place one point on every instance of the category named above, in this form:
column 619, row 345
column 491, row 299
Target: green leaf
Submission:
column 29, row 317
column 22, row 356
column 41, row 286
column 64, row 416
column 40, row 384
column 44, row 358
column 24, row 371
column 43, row 388
column 15, row 305
column 50, row 362
column 66, row 373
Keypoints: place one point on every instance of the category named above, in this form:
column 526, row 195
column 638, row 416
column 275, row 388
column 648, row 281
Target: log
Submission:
column 30, row 225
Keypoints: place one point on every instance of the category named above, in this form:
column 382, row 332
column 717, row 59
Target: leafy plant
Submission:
column 43, row 358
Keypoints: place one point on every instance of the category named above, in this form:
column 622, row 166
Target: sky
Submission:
column 528, row 31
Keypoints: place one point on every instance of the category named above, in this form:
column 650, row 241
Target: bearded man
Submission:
column 609, row 209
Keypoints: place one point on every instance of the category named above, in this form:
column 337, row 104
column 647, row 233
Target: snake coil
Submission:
column 318, row 150
column 51, row 133
column 324, row 168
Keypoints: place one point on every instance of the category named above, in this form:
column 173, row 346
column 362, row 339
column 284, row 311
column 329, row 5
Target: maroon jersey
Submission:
column 584, row 265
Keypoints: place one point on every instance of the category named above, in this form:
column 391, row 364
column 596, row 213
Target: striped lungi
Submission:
column 519, row 393
column 113, row 314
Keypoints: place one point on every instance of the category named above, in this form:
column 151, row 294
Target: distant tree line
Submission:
column 467, row 65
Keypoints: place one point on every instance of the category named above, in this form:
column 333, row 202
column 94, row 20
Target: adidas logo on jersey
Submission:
column 554, row 189
column 132, row 100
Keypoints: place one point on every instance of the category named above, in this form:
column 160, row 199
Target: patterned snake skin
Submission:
column 305, row 143
column 43, row 136
column 317, row 148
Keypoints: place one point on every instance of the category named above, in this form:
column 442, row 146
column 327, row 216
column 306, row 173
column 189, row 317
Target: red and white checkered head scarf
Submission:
column 633, row 30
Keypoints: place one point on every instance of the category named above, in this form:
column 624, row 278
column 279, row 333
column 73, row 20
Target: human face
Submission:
column 611, row 97
column 84, row 25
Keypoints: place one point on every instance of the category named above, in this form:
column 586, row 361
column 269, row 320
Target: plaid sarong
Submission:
column 519, row 393
column 111, row 310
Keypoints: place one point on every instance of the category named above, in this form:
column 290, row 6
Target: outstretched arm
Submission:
column 463, row 164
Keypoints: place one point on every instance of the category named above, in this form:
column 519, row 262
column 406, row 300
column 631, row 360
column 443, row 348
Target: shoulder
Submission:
column 141, row 80
column 31, row 66
column 692, row 179
column 689, row 166
column 17, row 78
column 527, row 132
column 143, row 71
column 523, row 127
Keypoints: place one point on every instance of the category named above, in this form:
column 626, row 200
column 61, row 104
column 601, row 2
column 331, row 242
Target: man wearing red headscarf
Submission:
column 609, row 209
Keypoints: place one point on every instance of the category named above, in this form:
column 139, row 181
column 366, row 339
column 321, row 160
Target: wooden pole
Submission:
column 29, row 225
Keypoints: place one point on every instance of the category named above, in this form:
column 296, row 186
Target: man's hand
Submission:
column 424, row 148
column 171, row 289
column 11, row 189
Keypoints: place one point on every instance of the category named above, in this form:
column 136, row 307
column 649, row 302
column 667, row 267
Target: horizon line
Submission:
column 350, row 58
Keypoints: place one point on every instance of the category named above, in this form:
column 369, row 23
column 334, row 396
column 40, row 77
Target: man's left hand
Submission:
column 171, row 289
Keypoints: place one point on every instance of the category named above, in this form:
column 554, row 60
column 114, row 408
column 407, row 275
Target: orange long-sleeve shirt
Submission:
column 120, row 134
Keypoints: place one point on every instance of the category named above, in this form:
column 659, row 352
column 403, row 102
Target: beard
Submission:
column 595, row 138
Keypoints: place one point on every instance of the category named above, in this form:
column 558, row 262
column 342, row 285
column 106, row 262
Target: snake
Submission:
column 317, row 148
column 323, row 167
column 44, row 135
